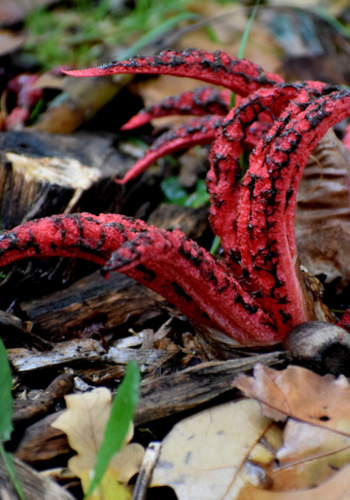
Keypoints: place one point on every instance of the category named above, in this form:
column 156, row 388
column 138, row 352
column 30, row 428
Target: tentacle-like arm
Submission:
column 198, row 102
column 239, row 75
column 168, row 263
column 203, row 280
column 225, row 171
column 93, row 238
column 269, row 191
column 198, row 131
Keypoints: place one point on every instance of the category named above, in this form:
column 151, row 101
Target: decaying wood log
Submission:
column 35, row 187
column 115, row 299
column 67, row 353
column 16, row 332
column 64, row 353
column 191, row 387
column 41, row 175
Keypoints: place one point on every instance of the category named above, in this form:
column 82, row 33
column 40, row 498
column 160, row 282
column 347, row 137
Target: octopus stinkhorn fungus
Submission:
column 255, row 298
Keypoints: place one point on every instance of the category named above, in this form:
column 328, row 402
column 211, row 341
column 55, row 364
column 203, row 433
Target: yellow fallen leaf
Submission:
column 210, row 455
column 84, row 422
column 109, row 489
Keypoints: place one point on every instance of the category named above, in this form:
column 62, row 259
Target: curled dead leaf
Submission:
column 322, row 221
column 316, row 437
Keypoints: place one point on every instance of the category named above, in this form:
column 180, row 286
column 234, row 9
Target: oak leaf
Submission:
column 84, row 422
column 316, row 439
column 301, row 394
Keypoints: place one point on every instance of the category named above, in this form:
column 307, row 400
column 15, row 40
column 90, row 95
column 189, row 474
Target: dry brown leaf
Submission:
column 301, row 394
column 322, row 222
column 84, row 422
column 336, row 488
column 309, row 456
column 317, row 434
column 211, row 454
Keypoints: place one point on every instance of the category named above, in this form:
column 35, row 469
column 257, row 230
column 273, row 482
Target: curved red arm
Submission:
column 239, row 75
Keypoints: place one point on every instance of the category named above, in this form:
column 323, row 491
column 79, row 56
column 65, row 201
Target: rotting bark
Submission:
column 29, row 411
column 67, row 312
column 34, row 187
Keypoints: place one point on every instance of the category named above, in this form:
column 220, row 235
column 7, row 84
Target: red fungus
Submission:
column 168, row 263
column 345, row 321
column 201, row 101
column 255, row 297
column 239, row 75
column 198, row 131
column 268, row 199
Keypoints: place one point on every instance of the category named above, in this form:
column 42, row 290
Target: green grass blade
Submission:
column 122, row 412
column 245, row 36
column 8, row 461
column 5, row 396
column 156, row 32
column 215, row 245
column 6, row 428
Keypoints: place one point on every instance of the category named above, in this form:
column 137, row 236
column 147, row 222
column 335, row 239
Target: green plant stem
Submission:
column 117, row 427
column 245, row 36
column 8, row 462
column 215, row 245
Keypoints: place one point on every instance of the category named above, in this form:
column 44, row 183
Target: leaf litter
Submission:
column 241, row 450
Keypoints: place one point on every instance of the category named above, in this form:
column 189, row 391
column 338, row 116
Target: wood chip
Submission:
column 118, row 298
column 147, row 359
column 25, row 360
column 41, row 442
column 184, row 390
column 36, row 408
